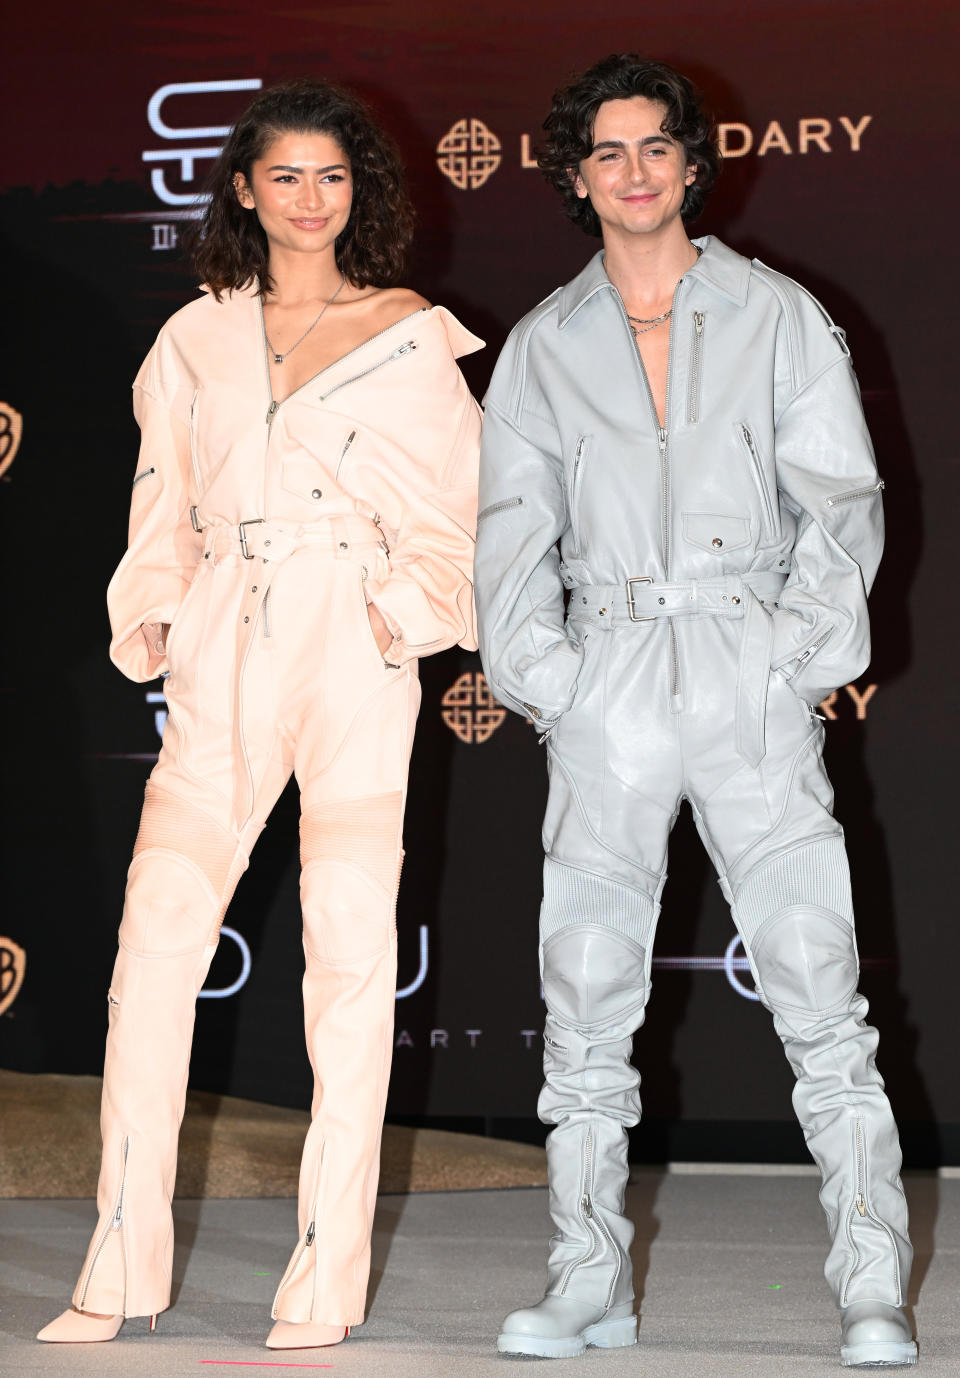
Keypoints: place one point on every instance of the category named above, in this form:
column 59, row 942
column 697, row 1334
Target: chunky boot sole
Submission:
column 614, row 1334
column 879, row 1354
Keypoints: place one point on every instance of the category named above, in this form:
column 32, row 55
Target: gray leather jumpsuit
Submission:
column 667, row 604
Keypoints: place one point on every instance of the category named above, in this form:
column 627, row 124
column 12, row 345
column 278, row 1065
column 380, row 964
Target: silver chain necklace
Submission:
column 279, row 358
column 651, row 322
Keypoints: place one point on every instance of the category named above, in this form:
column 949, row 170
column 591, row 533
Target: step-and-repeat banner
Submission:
column 836, row 172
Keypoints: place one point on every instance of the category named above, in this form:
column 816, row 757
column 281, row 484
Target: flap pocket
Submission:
column 716, row 534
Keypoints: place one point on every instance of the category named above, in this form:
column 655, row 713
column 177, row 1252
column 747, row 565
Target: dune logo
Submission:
column 469, row 153
column 469, row 709
column 13, row 964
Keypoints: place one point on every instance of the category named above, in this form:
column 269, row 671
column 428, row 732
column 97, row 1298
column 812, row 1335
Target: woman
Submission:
column 301, row 531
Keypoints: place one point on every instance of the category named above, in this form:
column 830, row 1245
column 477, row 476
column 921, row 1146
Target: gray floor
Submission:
column 728, row 1265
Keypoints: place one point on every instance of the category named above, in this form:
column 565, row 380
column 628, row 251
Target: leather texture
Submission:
column 562, row 1328
column 274, row 671
column 667, row 603
column 875, row 1336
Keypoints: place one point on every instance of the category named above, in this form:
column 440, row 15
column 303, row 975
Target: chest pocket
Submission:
column 716, row 534
column 313, row 467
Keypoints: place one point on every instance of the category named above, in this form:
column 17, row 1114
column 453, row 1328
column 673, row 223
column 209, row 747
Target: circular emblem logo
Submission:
column 470, row 710
column 11, row 429
column 13, row 963
column 468, row 154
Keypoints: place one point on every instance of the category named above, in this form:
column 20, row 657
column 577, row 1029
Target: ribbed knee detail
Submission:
column 572, row 897
column 814, row 877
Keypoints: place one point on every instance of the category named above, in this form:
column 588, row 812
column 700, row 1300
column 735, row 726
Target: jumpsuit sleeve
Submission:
column 427, row 599
column 827, row 476
column 163, row 549
column 531, row 664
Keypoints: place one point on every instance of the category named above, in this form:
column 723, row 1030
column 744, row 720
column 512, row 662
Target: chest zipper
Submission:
column 696, row 369
column 343, row 453
column 407, row 347
column 870, row 492
column 575, row 493
column 756, row 466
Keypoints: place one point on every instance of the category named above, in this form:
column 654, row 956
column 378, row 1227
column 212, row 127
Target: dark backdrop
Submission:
column 837, row 173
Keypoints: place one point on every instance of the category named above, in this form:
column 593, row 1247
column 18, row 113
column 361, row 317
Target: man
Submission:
column 680, row 520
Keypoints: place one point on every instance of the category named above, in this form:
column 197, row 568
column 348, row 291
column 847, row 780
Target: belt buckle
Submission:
column 252, row 521
column 640, row 579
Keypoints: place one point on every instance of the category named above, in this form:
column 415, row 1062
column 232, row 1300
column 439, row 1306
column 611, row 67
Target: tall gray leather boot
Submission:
column 596, row 981
column 804, row 958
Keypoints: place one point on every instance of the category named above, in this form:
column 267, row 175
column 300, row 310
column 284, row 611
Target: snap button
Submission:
column 603, row 612
column 723, row 598
column 782, row 563
column 736, row 599
column 246, row 619
column 268, row 543
column 661, row 601
column 583, row 600
column 316, row 493
column 716, row 542
column 343, row 545
column 254, row 589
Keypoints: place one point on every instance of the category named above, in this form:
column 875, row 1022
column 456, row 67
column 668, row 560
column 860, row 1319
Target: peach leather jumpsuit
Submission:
column 260, row 530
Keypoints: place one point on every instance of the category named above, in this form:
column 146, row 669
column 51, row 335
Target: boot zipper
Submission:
column 870, row 492
column 116, row 1223
column 499, row 507
column 864, row 1212
column 343, row 453
column 696, row 370
column 756, row 465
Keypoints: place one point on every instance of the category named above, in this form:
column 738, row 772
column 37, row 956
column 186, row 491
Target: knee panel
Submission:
column 806, row 960
column 350, row 854
column 596, row 935
column 173, row 824
column 170, row 906
column 795, row 915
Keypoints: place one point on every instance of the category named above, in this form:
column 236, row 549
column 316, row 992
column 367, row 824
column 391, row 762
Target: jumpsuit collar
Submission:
column 718, row 267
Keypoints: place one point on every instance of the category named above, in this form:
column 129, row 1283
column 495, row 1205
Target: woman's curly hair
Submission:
column 569, row 128
column 228, row 246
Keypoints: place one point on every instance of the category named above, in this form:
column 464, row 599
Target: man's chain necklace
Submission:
column 651, row 322
column 279, row 358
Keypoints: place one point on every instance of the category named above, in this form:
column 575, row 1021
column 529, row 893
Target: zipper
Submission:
column 696, row 370
column 407, row 347
column 266, row 613
column 194, row 456
column 757, row 465
column 814, row 646
column 585, row 1211
column 870, row 492
column 306, row 1243
column 575, row 492
column 499, row 507
column 343, row 453
column 116, row 1223
column 862, row 1210
column 144, row 473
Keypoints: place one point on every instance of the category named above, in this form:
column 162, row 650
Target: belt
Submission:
column 270, row 542
column 738, row 596
column 643, row 598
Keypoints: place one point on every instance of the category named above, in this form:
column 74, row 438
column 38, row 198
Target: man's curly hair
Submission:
column 228, row 245
column 569, row 128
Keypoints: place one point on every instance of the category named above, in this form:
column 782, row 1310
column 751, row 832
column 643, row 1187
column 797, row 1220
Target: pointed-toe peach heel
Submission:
column 305, row 1335
column 79, row 1327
